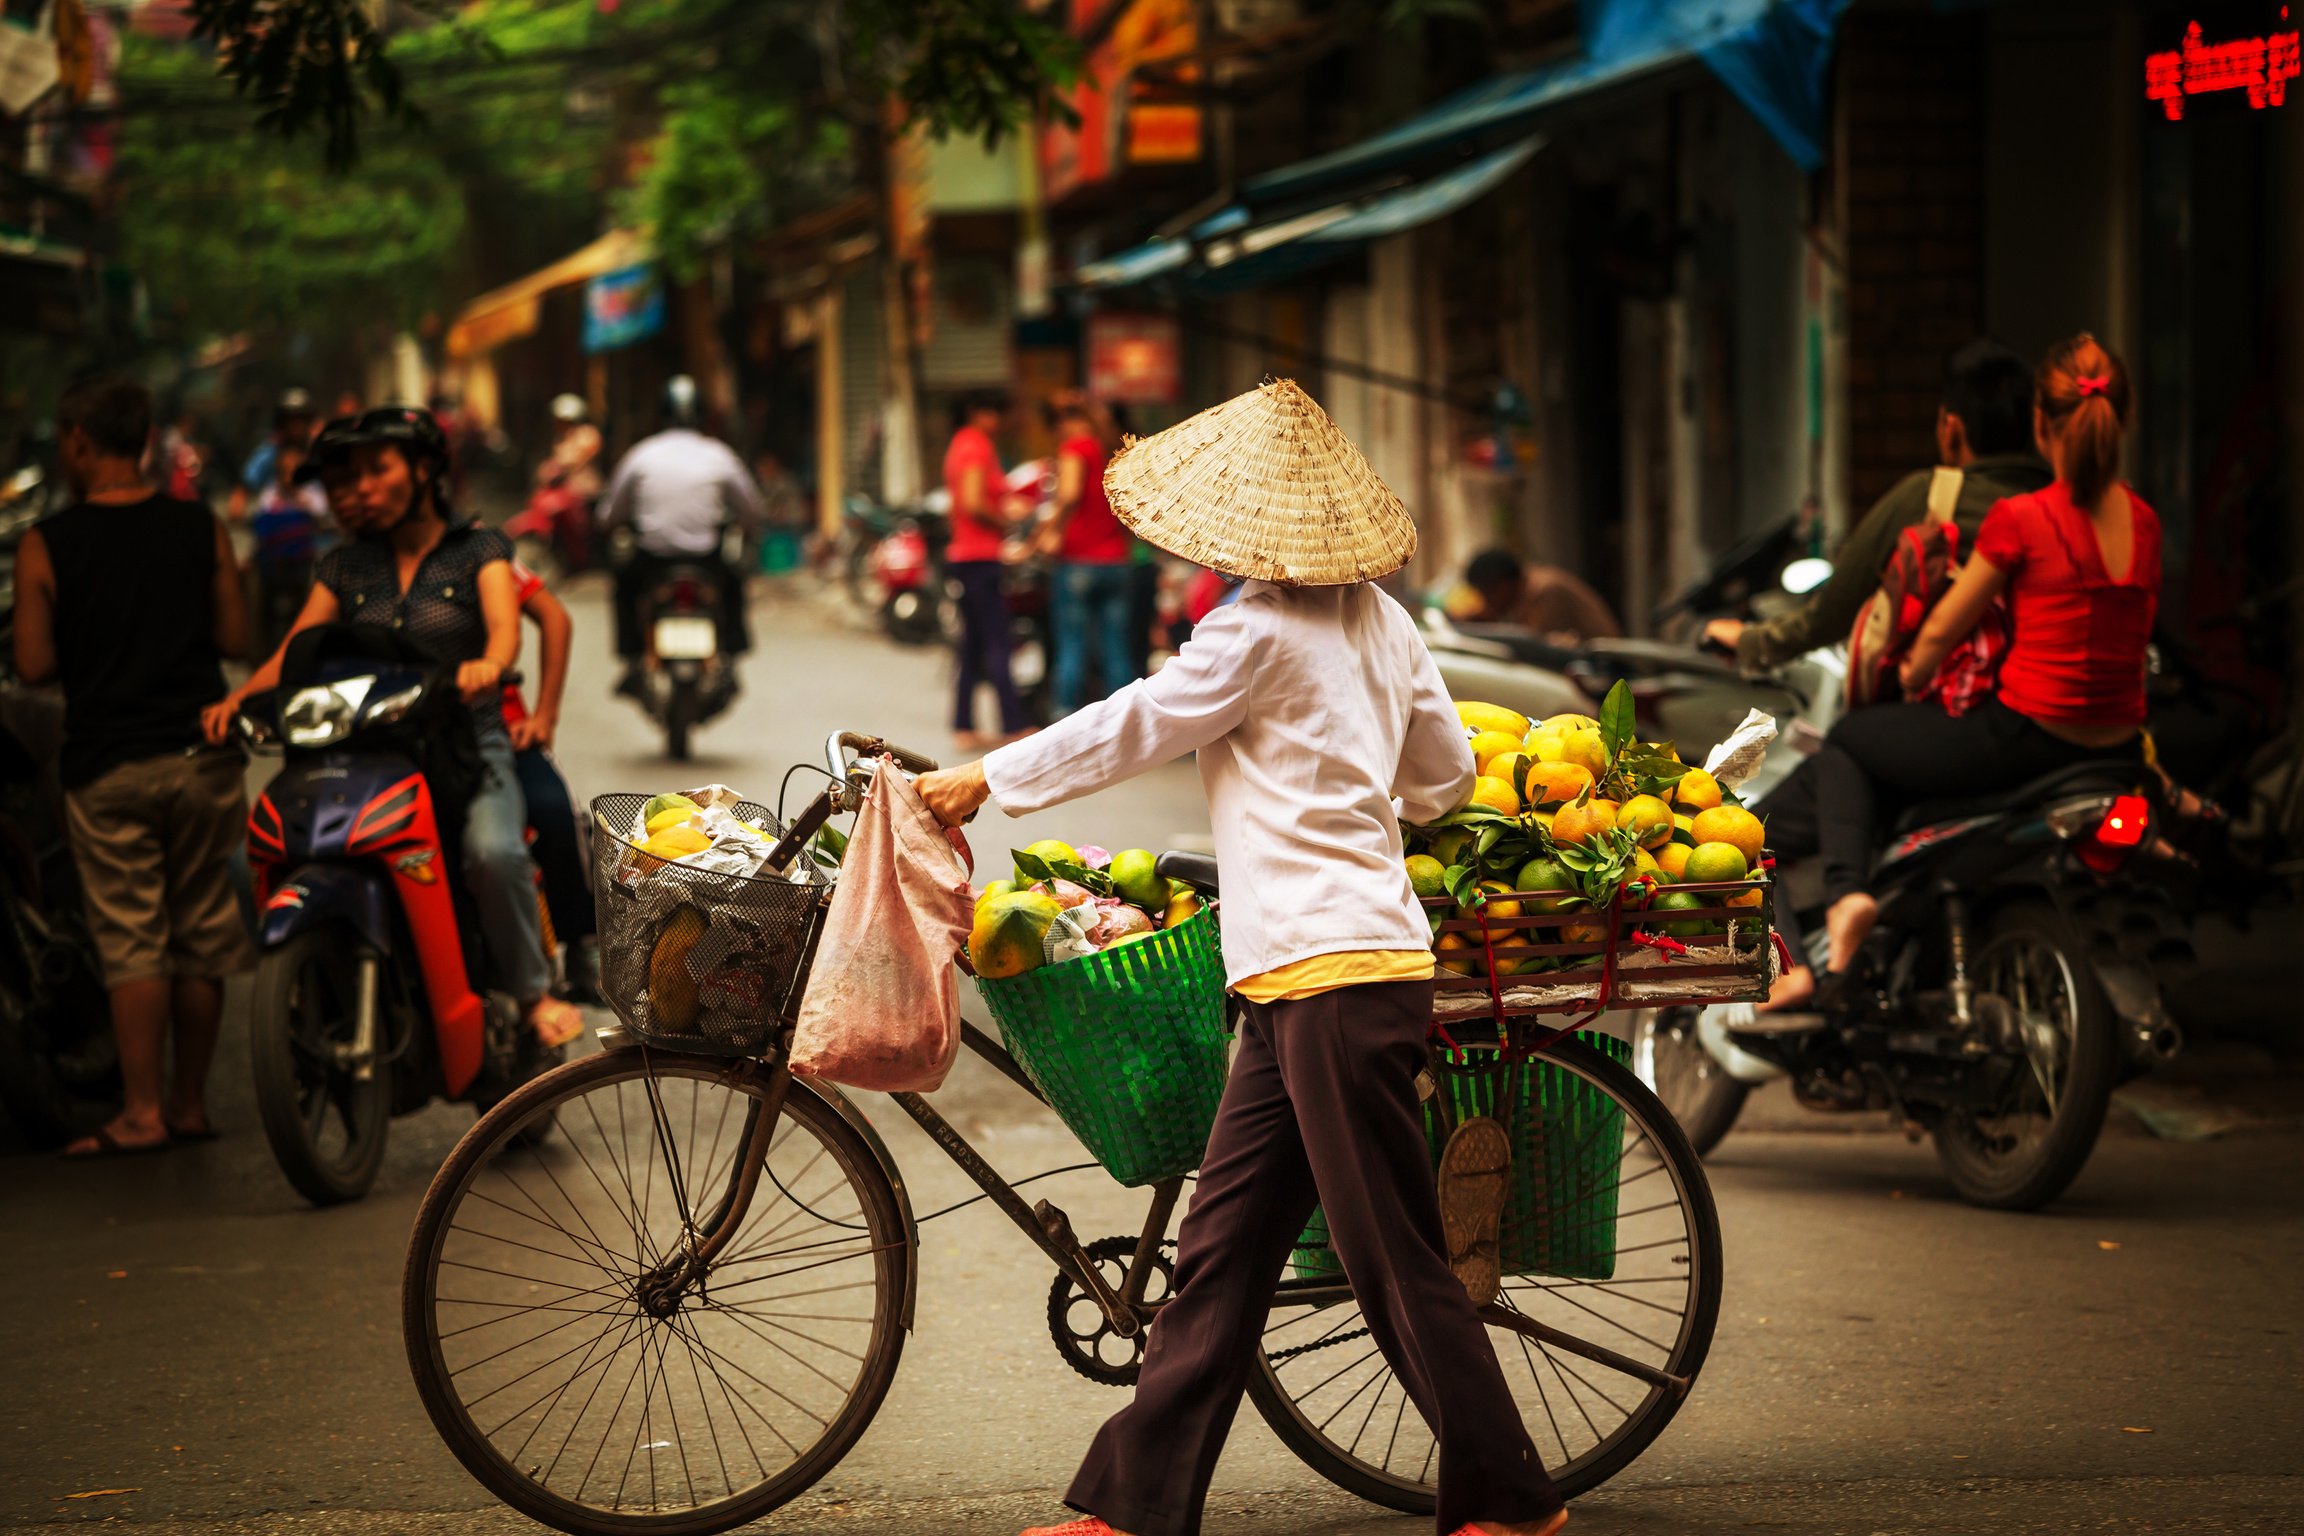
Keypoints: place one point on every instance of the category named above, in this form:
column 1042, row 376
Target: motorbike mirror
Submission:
column 1806, row 574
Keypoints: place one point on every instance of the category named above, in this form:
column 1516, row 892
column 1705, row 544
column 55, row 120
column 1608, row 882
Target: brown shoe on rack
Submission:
column 1475, row 1175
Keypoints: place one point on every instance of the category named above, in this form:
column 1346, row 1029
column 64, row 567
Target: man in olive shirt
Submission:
column 1983, row 429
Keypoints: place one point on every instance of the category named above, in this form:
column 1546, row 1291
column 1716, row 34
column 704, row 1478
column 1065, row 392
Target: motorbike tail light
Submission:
column 2125, row 824
column 684, row 592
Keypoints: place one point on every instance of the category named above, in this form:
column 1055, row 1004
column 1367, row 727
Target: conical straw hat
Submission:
column 1263, row 486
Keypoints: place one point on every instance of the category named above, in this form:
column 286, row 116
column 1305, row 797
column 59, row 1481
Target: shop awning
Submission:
column 1772, row 54
column 510, row 312
column 1232, row 250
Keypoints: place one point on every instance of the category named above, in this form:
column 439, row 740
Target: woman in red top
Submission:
column 1093, row 596
column 972, row 558
column 2079, row 566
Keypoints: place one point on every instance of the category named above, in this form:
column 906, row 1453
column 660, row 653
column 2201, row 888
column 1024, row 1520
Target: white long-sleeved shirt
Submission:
column 1321, row 722
column 677, row 490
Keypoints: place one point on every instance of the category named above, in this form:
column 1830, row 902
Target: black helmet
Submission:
column 410, row 429
column 680, row 400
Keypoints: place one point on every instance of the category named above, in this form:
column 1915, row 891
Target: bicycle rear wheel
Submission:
column 590, row 1400
column 1325, row 1389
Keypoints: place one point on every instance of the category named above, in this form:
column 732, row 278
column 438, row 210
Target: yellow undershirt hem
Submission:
column 1325, row 973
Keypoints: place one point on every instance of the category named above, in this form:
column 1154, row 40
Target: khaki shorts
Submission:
column 154, row 841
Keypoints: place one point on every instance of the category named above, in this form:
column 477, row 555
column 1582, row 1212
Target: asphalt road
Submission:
column 196, row 1351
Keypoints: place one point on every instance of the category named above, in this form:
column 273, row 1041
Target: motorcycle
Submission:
column 907, row 566
column 2013, row 981
column 366, row 1004
column 686, row 679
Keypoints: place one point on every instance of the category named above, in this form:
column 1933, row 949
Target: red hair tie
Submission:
column 2093, row 384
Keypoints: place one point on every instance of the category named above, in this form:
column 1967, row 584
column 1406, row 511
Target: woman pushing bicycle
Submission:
column 1320, row 722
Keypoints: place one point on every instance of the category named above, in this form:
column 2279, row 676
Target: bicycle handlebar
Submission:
column 840, row 744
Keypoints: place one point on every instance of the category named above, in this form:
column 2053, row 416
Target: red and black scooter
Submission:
column 366, row 1004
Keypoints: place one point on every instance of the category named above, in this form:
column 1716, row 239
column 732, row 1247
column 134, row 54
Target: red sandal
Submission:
column 1088, row 1525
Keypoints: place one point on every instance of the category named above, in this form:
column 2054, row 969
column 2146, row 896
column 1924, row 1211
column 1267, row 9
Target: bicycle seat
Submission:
column 2114, row 773
column 1197, row 870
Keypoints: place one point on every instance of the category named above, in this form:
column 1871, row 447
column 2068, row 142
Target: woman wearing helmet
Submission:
column 447, row 585
column 568, row 482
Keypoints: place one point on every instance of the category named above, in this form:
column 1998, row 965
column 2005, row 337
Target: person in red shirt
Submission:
column 1093, row 597
column 972, row 558
column 2078, row 564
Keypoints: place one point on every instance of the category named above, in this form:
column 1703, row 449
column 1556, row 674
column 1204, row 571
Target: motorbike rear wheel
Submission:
column 679, row 718
column 1669, row 1056
column 304, row 1010
column 2029, row 1145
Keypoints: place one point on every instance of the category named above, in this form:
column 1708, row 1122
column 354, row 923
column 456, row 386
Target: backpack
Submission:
column 1915, row 577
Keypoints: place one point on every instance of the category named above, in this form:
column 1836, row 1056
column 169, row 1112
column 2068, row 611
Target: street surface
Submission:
column 196, row 1351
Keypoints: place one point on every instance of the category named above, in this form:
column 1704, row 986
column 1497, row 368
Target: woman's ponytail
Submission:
column 2083, row 393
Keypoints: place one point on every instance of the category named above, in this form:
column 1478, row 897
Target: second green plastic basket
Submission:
column 1567, row 1143
column 1128, row 1045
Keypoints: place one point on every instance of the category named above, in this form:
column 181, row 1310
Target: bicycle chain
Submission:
column 1278, row 1355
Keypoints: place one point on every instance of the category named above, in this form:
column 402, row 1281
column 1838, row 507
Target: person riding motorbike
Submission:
column 2070, row 687
column 568, row 481
column 448, row 586
column 1983, row 430
column 677, row 492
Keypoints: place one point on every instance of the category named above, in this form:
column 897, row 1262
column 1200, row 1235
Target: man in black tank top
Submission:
column 130, row 600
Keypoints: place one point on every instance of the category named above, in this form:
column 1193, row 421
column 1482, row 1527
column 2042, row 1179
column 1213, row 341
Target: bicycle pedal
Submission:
column 1056, row 1224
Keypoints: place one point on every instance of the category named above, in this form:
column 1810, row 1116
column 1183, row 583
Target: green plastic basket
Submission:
column 1128, row 1046
column 1567, row 1144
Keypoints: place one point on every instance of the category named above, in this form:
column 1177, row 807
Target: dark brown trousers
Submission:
column 1321, row 1109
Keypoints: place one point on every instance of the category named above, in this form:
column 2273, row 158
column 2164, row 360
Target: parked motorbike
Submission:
column 552, row 533
column 907, row 567
column 686, row 679
column 371, row 994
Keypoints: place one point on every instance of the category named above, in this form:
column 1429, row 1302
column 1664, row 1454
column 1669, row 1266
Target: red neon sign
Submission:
column 2261, row 66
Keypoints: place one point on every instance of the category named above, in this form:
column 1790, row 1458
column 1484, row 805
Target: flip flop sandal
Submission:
column 107, row 1146
column 1091, row 1526
column 1547, row 1528
column 1475, row 1177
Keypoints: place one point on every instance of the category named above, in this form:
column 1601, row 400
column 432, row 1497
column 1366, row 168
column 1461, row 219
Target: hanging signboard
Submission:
column 1135, row 359
column 2259, row 68
column 623, row 307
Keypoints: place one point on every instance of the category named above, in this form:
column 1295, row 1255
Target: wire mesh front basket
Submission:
column 695, row 960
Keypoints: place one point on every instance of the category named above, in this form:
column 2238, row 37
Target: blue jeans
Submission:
column 1092, row 606
column 502, row 878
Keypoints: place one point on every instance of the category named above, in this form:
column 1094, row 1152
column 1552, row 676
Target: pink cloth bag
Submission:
column 882, row 1010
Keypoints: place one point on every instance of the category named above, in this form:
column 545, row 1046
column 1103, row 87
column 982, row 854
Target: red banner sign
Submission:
column 2259, row 66
column 1135, row 359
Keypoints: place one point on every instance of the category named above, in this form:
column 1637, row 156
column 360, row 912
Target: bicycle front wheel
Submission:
column 556, row 1363
column 1624, row 1210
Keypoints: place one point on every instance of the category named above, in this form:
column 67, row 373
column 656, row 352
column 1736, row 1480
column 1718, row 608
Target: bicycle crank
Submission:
column 1084, row 1335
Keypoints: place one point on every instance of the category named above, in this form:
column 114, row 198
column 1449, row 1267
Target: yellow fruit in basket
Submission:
column 1137, row 880
column 1489, row 717
column 1672, row 859
column 1543, row 744
column 1647, row 818
column 1497, row 910
column 1566, row 722
column 1182, row 906
column 1580, row 744
column 1009, row 932
column 1449, row 843
column 1496, row 795
column 1551, row 783
column 1750, row 898
column 1489, row 745
column 1590, row 930
column 659, row 804
column 1574, row 823
column 1684, row 829
column 676, row 842
column 1461, row 954
column 1731, row 824
column 1715, row 861
column 1697, row 790
column 996, row 888
column 673, row 1002
column 1050, row 850
column 1425, row 873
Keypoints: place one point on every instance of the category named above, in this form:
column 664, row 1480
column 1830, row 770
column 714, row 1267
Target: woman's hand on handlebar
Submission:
column 216, row 719
column 475, row 679
column 1722, row 635
column 955, row 794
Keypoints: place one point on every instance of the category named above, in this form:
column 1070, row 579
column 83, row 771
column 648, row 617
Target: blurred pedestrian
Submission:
column 292, row 422
column 131, row 599
column 1094, row 597
column 181, row 462
column 288, row 523
column 1543, row 599
column 981, row 516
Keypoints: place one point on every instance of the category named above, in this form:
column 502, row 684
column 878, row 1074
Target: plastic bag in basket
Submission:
column 882, row 1011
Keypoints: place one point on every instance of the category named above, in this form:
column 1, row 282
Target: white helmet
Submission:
column 568, row 408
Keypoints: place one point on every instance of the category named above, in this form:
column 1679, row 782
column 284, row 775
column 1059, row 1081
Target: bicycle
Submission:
column 758, row 1301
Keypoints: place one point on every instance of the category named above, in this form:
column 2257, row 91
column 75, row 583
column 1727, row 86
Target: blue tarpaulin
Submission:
column 1772, row 54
